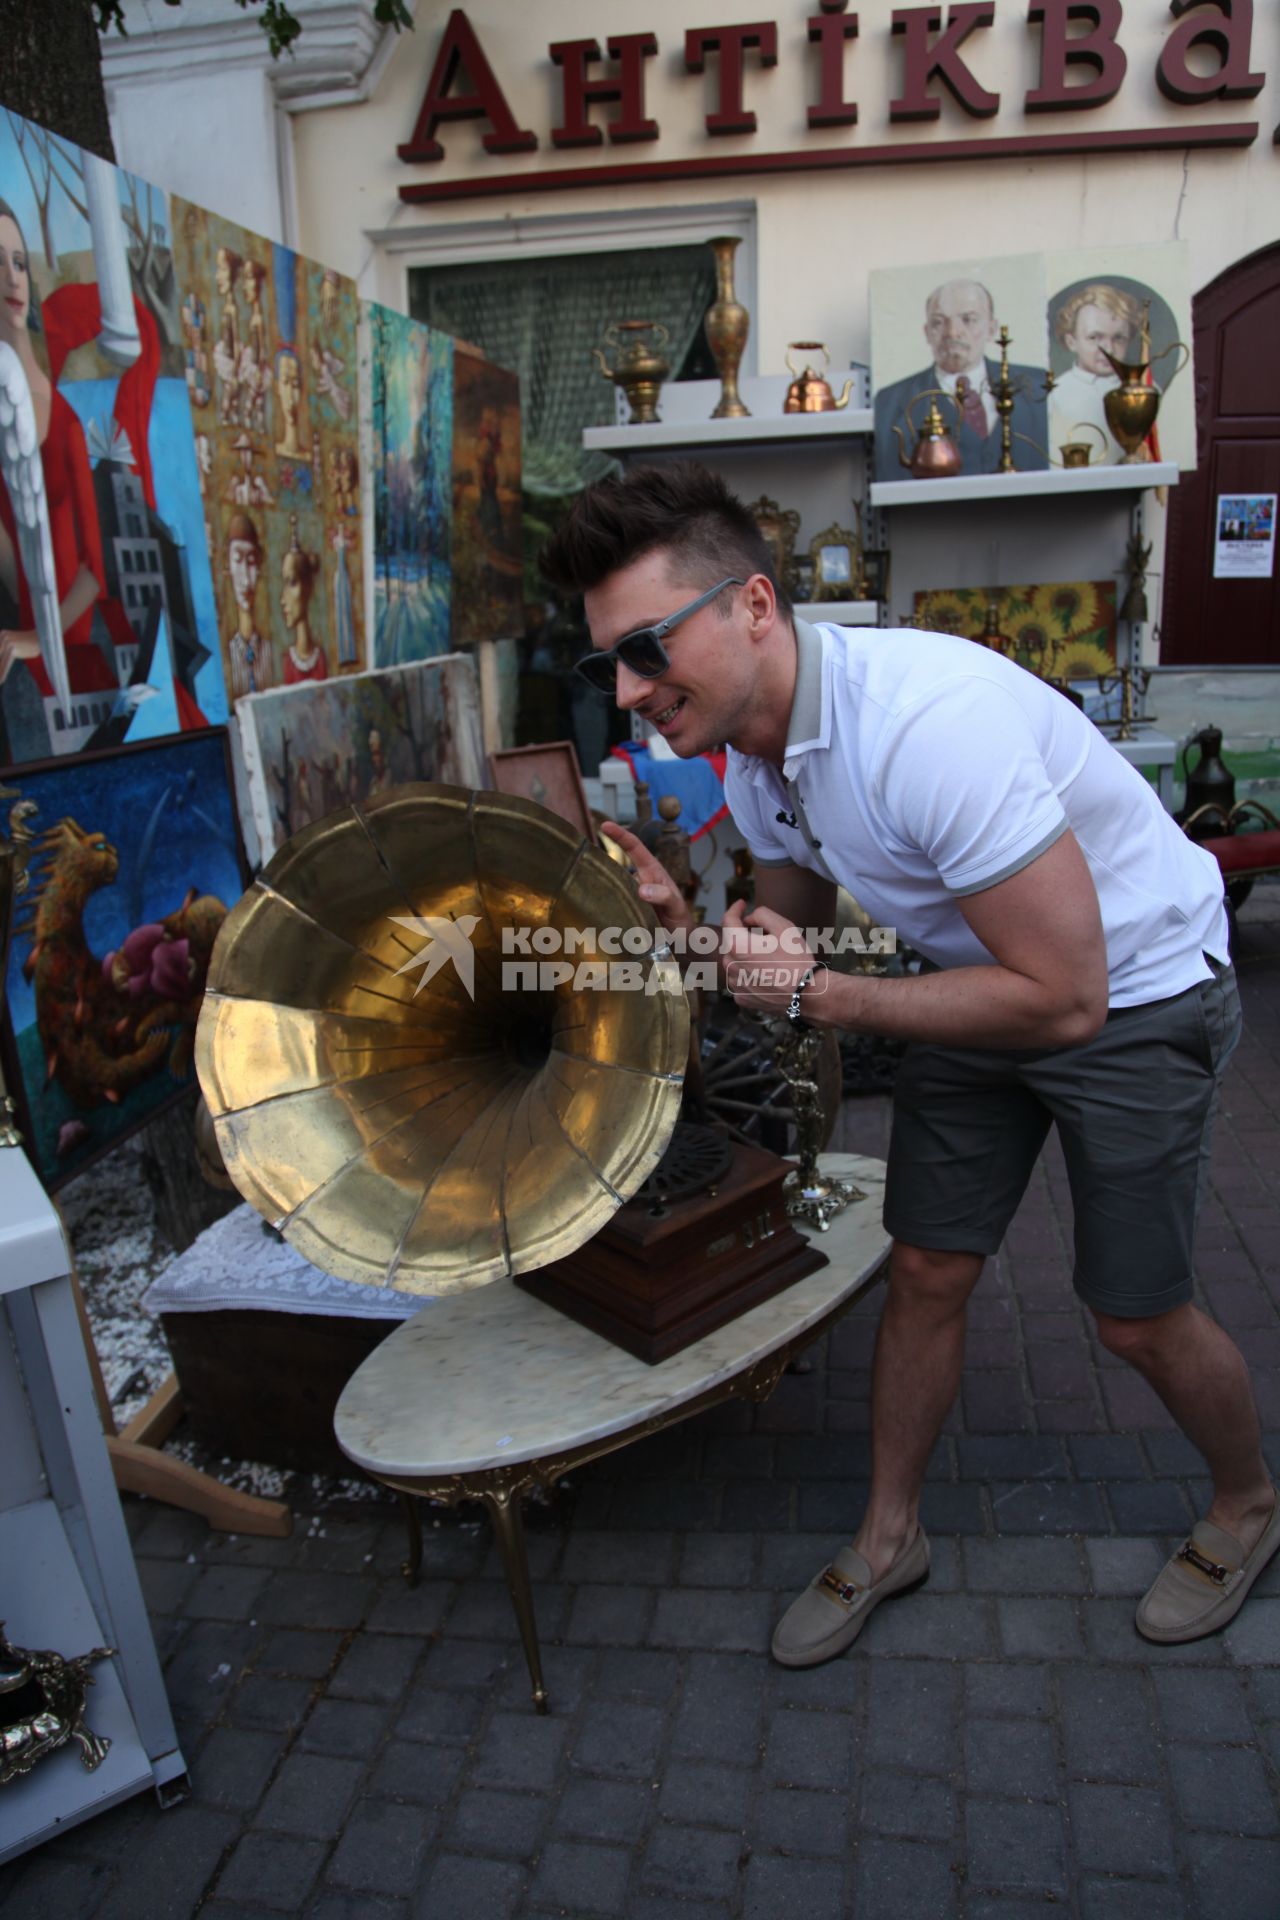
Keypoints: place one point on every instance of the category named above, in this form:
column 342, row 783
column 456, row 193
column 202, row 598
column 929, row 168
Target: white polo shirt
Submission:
column 921, row 767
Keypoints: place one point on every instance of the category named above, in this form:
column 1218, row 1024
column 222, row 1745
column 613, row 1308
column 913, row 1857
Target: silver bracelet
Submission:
column 806, row 979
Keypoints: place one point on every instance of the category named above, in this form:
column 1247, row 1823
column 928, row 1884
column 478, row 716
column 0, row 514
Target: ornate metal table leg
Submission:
column 508, row 1524
column 411, row 1566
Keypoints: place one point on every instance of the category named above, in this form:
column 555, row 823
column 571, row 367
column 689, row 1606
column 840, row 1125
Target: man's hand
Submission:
column 765, row 958
column 653, row 883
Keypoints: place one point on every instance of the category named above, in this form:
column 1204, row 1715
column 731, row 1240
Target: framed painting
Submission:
column 932, row 325
column 408, row 416
column 136, row 862
column 488, row 523
column 1063, row 631
column 308, row 750
column 118, row 645
column 549, row 775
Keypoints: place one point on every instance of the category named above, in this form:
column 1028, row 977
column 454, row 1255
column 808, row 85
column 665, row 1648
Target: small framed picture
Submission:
column 779, row 526
column 837, row 564
column 549, row 775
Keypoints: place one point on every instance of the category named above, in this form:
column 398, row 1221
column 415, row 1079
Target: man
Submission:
column 959, row 327
column 1097, row 320
column 1081, row 977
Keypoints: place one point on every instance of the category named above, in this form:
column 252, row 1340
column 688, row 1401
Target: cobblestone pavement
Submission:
column 998, row 1745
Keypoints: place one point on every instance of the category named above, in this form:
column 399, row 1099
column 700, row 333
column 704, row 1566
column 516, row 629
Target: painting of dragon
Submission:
column 132, row 872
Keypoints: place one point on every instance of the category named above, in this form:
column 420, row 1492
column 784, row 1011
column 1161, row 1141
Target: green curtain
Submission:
column 542, row 318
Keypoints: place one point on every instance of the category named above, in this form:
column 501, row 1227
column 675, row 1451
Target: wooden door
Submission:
column 1236, row 322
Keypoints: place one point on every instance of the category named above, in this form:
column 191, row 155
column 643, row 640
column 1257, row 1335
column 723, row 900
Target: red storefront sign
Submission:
column 1082, row 65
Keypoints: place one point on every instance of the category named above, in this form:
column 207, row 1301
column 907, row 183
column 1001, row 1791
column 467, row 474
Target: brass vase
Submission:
column 727, row 325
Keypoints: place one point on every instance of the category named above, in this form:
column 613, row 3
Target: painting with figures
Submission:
column 309, row 750
column 108, row 610
column 270, row 348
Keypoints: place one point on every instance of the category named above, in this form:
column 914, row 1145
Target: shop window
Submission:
column 542, row 318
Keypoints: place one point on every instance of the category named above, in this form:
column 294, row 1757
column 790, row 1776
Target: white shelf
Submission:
column 32, row 1247
column 841, row 613
column 758, row 430
column 46, row 1605
column 1022, row 486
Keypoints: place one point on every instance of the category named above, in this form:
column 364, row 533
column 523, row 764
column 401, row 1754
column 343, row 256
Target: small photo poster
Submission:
column 1244, row 545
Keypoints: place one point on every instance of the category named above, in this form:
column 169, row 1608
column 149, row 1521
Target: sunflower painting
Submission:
column 1065, row 631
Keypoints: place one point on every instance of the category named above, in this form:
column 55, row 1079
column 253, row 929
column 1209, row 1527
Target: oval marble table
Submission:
column 483, row 1395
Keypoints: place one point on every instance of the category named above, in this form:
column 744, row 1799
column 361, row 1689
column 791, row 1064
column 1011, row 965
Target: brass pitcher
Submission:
column 809, row 392
column 934, row 454
column 639, row 369
column 1131, row 408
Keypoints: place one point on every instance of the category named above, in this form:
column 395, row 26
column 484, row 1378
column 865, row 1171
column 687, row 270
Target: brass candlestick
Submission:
column 1131, row 681
column 14, row 880
column 1003, row 394
column 1003, row 397
column 809, row 1194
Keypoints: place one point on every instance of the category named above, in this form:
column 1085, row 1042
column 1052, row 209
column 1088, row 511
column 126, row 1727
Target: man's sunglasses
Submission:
column 642, row 652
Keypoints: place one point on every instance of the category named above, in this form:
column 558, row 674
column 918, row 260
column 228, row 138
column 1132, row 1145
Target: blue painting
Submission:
column 136, row 862
column 411, row 412
column 95, row 330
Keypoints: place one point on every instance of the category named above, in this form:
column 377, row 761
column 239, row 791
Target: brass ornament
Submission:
column 638, row 368
column 397, row 1130
column 811, row 1196
column 42, row 1707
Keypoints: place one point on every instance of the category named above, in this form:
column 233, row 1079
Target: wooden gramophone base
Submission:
column 653, row 1284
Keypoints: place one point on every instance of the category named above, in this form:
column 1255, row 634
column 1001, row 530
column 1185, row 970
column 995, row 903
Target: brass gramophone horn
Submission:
column 405, row 1126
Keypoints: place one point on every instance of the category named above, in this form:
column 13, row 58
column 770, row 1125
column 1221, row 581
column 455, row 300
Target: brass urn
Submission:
column 934, row 454
column 639, row 369
column 727, row 325
column 809, row 392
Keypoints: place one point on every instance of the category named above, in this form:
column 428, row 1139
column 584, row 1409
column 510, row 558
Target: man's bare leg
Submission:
column 1200, row 1374
column 915, row 1376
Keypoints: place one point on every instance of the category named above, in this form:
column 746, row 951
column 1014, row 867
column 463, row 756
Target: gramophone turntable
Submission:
column 409, row 1116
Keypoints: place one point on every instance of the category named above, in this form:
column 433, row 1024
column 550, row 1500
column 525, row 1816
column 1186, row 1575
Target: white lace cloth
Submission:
column 237, row 1263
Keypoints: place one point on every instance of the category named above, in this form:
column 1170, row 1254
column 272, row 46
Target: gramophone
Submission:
column 441, row 1047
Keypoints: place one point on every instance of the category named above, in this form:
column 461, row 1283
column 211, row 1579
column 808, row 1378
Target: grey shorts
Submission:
column 1134, row 1109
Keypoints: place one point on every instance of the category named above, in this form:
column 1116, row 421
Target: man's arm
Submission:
column 1048, row 987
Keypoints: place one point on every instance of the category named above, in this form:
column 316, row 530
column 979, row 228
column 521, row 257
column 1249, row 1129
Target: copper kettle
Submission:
column 935, row 455
column 809, row 392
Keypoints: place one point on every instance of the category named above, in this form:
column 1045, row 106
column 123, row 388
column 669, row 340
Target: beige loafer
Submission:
column 1205, row 1584
column 834, row 1608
